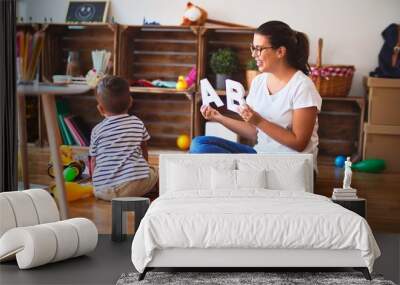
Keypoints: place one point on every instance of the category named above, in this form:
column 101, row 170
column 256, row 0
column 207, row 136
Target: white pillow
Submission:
column 186, row 175
column 281, row 175
column 251, row 178
column 223, row 179
column 237, row 179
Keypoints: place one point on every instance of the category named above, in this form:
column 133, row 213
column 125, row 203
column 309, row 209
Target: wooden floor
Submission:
column 382, row 192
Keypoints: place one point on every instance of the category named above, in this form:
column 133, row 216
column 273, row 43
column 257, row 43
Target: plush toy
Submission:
column 194, row 15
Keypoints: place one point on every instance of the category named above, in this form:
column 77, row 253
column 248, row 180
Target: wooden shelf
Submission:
column 158, row 90
column 160, row 53
column 237, row 39
column 157, row 52
column 78, row 37
column 341, row 126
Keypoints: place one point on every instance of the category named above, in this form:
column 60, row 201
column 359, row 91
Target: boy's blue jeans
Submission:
column 209, row 144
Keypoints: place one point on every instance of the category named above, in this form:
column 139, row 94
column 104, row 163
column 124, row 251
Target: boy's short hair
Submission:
column 113, row 92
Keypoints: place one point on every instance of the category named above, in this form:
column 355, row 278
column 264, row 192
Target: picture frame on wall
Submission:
column 84, row 11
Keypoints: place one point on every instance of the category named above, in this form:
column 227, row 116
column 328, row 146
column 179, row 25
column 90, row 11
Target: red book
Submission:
column 82, row 128
column 74, row 131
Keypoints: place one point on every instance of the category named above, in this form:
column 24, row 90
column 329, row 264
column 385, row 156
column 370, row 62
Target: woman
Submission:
column 282, row 105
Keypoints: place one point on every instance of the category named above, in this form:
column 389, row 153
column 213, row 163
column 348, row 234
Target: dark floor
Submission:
column 111, row 259
column 103, row 266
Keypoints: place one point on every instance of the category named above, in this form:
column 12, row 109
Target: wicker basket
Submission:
column 331, row 80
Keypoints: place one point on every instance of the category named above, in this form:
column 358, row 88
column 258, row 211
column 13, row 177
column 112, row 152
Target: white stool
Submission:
column 32, row 233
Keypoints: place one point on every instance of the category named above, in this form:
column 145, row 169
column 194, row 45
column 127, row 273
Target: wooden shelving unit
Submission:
column 157, row 52
column 237, row 39
column 62, row 38
column 164, row 53
column 341, row 126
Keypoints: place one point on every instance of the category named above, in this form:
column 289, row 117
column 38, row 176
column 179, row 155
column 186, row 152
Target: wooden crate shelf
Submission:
column 157, row 52
column 341, row 126
column 165, row 52
column 62, row 38
column 212, row 39
column 165, row 115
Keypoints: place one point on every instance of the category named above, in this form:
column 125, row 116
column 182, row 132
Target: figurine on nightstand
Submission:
column 347, row 174
column 347, row 192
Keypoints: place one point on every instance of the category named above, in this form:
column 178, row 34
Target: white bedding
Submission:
column 252, row 218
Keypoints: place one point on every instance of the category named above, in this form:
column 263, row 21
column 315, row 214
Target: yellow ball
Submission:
column 183, row 142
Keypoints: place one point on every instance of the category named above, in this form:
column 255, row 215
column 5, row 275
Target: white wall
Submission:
column 350, row 28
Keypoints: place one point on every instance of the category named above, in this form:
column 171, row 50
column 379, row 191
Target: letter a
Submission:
column 208, row 94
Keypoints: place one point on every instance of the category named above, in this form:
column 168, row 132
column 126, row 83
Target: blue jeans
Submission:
column 209, row 144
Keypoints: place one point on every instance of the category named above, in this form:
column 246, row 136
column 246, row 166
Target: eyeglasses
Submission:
column 257, row 49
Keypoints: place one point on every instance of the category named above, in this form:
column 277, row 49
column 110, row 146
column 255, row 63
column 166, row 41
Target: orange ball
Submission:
column 183, row 142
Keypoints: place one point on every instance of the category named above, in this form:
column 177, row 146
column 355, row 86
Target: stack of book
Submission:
column 344, row 194
column 74, row 131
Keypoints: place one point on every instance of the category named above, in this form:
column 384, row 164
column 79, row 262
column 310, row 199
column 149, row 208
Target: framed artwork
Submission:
column 87, row 11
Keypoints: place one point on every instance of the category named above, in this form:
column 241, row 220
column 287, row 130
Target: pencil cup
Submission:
column 24, row 78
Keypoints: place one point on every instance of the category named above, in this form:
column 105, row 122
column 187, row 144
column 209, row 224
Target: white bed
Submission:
column 247, row 210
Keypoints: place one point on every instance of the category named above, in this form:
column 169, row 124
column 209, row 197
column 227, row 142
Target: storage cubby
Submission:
column 157, row 52
column 166, row 116
column 237, row 39
column 60, row 39
column 63, row 38
column 341, row 126
column 163, row 53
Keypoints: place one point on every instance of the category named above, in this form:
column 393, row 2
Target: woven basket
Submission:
column 331, row 80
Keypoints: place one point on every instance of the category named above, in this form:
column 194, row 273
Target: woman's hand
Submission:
column 209, row 113
column 249, row 115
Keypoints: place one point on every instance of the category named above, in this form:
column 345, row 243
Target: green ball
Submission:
column 369, row 165
column 70, row 173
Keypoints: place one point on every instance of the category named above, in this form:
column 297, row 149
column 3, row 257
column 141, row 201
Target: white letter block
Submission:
column 234, row 92
column 208, row 94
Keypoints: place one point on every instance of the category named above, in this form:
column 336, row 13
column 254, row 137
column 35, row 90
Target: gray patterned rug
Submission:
column 242, row 278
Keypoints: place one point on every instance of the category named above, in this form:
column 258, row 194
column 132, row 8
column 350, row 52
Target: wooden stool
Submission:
column 120, row 205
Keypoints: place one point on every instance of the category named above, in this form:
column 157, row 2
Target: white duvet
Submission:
column 254, row 218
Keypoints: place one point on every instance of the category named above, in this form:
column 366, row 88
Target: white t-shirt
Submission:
column 299, row 92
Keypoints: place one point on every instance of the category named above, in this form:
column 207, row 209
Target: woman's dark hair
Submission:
column 296, row 43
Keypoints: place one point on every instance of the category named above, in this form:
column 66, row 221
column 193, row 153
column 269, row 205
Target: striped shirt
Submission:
column 115, row 143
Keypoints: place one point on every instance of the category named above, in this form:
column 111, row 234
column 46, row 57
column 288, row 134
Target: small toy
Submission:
column 191, row 77
column 150, row 23
column 183, row 142
column 74, row 170
column 181, row 84
column 194, row 15
column 93, row 78
column 339, row 160
column 75, row 191
column 369, row 165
